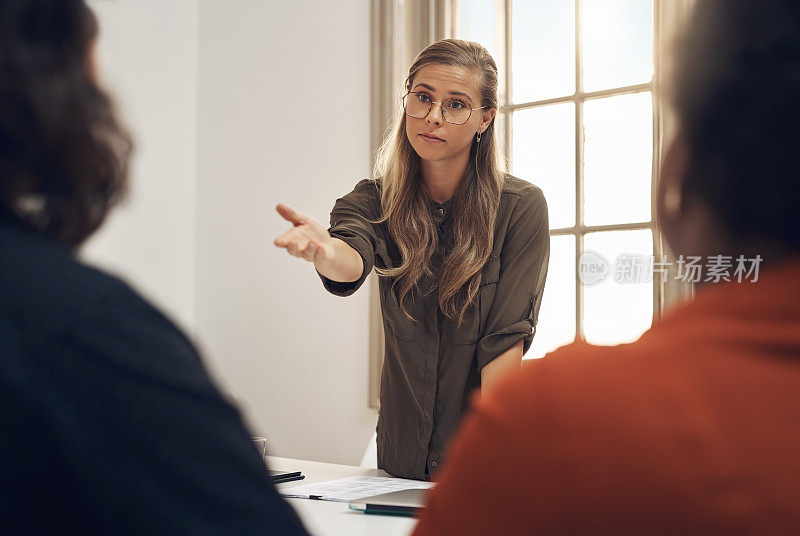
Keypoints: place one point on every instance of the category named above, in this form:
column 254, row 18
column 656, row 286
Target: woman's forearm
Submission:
column 344, row 266
column 508, row 361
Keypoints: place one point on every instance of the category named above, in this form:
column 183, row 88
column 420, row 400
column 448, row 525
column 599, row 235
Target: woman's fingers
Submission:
column 283, row 240
column 291, row 215
column 304, row 250
column 310, row 251
column 293, row 234
column 302, row 220
column 305, row 239
column 297, row 243
column 297, row 247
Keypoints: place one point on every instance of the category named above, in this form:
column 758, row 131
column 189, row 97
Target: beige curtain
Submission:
column 671, row 16
column 400, row 30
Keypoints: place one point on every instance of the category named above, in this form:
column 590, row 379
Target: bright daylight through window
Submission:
column 577, row 121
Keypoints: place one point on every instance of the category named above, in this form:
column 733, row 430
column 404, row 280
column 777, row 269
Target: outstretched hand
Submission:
column 307, row 239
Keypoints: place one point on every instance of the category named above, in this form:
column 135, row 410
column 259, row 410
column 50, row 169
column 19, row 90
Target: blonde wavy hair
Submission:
column 405, row 202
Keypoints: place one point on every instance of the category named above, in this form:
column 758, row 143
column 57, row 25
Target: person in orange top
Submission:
column 692, row 429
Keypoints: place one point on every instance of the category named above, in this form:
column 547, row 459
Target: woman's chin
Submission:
column 431, row 154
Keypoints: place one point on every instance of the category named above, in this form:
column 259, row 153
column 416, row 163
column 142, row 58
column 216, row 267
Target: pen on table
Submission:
column 315, row 497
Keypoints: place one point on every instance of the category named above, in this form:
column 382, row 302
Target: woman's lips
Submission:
column 430, row 138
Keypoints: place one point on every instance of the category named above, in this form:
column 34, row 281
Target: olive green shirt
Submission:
column 431, row 365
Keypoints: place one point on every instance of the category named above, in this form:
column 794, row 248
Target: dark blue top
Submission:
column 109, row 423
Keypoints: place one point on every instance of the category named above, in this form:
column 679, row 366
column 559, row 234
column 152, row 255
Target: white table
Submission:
column 326, row 518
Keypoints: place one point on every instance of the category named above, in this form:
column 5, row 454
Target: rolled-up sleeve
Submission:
column 523, row 270
column 351, row 222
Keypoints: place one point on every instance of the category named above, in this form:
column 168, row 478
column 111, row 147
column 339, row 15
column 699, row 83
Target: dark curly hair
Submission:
column 736, row 90
column 63, row 154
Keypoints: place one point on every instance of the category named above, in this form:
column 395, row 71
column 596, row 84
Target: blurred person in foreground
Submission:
column 109, row 423
column 692, row 429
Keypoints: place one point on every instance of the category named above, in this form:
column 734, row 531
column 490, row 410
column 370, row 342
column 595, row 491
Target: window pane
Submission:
column 556, row 325
column 618, row 159
column 544, row 154
column 543, row 49
column 476, row 22
column 619, row 307
column 617, row 43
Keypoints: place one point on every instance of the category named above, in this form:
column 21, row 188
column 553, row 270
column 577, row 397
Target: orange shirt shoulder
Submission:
column 690, row 429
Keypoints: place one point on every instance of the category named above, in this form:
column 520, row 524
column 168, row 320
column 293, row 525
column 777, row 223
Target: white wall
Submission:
column 272, row 77
column 147, row 56
column 224, row 101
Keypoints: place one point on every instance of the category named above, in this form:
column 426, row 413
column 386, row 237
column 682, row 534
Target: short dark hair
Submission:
column 63, row 154
column 736, row 89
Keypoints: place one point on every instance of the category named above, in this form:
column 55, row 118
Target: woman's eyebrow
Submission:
column 431, row 88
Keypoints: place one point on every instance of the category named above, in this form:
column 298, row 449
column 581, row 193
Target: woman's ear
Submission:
column 486, row 119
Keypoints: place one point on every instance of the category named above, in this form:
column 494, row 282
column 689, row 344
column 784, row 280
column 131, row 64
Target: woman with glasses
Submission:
column 460, row 247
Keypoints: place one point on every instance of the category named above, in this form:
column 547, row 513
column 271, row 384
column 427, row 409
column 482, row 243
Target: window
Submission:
column 578, row 119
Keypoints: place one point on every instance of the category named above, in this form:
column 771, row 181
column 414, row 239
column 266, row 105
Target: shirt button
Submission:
column 441, row 211
column 434, row 464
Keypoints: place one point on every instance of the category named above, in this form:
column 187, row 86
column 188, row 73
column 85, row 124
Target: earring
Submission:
column 479, row 137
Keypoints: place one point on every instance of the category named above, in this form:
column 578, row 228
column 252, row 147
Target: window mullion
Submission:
column 610, row 92
column 509, row 116
column 658, row 248
column 579, row 305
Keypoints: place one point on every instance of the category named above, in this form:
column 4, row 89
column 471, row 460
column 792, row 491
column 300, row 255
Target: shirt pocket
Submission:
column 471, row 330
column 399, row 324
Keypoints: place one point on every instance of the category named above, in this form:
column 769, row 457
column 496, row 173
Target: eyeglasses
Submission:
column 454, row 111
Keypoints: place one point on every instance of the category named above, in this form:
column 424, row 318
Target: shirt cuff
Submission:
column 364, row 249
column 494, row 344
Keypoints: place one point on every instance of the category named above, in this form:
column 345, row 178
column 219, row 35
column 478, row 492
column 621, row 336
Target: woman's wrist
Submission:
column 339, row 261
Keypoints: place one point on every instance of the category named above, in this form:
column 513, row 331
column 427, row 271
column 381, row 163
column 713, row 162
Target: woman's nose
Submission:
column 435, row 115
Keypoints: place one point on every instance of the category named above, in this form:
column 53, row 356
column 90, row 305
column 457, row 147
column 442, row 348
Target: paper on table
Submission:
column 352, row 488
